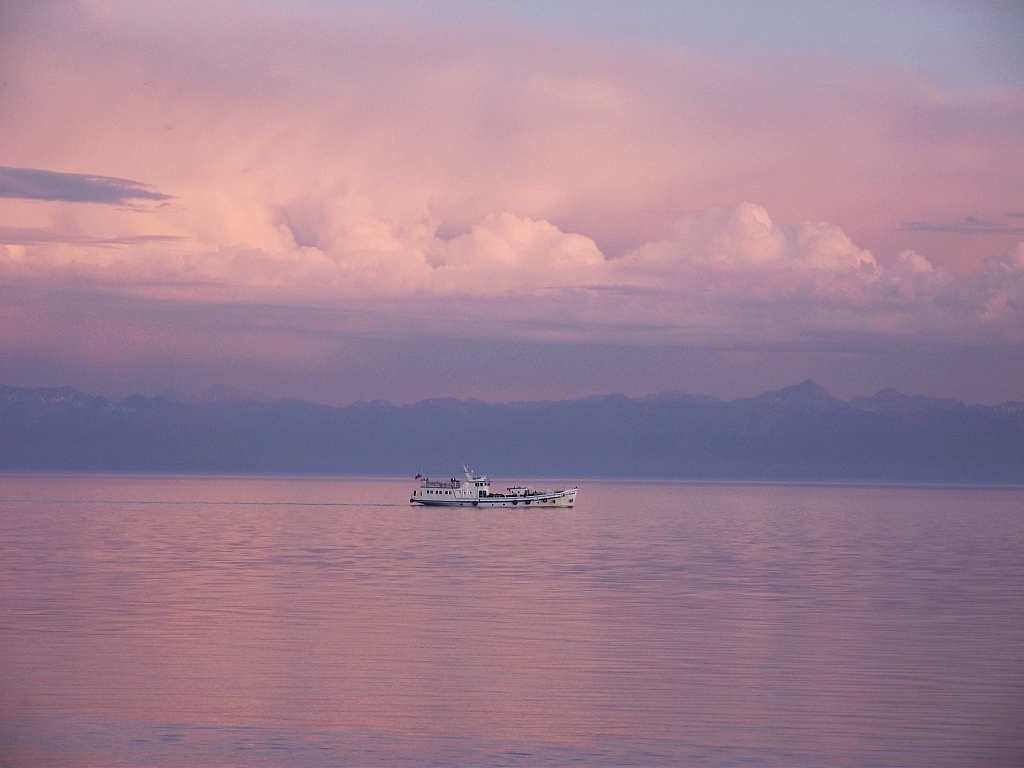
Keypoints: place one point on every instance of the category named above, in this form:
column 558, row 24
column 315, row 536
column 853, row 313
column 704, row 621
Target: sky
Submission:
column 342, row 201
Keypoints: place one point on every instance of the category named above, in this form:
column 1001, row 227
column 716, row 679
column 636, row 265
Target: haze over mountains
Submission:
column 799, row 432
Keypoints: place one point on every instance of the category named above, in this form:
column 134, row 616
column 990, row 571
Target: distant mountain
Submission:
column 219, row 394
column 807, row 395
column 799, row 432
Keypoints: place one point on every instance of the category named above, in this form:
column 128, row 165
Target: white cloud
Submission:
column 741, row 252
column 723, row 272
column 1002, row 293
column 824, row 246
column 506, row 252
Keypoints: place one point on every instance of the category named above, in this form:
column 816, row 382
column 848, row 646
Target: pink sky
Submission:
column 366, row 175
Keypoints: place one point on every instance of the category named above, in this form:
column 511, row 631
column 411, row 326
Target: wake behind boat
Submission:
column 474, row 490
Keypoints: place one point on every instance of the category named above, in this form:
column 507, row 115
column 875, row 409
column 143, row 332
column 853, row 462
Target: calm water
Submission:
column 158, row 621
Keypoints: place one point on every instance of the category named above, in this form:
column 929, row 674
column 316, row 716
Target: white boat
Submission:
column 474, row 490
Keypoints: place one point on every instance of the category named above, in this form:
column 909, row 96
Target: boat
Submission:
column 474, row 490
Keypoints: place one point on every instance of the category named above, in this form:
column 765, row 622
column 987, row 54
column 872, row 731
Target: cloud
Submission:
column 967, row 225
column 505, row 252
column 1003, row 291
column 740, row 252
column 472, row 181
column 38, row 184
column 40, row 236
column 724, row 274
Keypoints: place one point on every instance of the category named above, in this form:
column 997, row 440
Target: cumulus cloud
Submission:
column 724, row 272
column 505, row 252
column 729, row 238
column 1003, row 291
column 741, row 252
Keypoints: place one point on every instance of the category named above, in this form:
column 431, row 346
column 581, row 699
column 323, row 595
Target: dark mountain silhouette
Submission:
column 807, row 395
column 799, row 432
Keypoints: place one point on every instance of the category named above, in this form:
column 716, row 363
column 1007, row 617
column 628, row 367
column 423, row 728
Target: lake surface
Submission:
column 227, row 621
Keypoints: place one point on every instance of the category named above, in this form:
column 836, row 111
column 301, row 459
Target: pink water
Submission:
column 225, row 621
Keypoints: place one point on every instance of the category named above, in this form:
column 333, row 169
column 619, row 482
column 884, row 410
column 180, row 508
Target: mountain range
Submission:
column 796, row 433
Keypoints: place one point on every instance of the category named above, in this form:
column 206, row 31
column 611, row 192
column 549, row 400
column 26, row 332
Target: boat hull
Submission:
column 565, row 498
